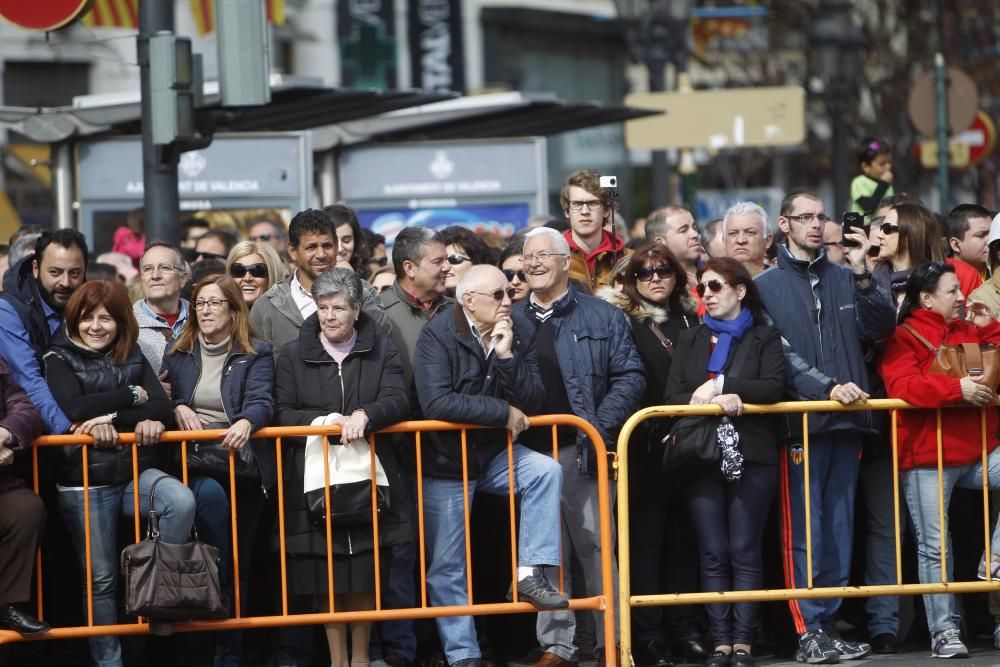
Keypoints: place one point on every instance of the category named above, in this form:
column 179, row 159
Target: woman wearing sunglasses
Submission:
column 732, row 359
column 911, row 236
column 931, row 316
column 256, row 267
column 465, row 249
column 655, row 297
column 512, row 267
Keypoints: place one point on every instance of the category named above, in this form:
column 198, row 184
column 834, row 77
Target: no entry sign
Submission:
column 44, row 15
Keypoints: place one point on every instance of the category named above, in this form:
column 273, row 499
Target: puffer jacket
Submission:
column 456, row 382
column 308, row 384
column 824, row 319
column 87, row 384
column 600, row 364
column 247, row 393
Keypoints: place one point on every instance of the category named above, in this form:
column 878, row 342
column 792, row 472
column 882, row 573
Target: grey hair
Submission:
column 339, row 281
column 559, row 243
column 23, row 247
column 747, row 208
column 474, row 277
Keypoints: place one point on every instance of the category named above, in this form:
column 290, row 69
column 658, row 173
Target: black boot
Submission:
column 651, row 654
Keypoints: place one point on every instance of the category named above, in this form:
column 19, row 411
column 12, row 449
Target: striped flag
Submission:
column 204, row 14
column 113, row 14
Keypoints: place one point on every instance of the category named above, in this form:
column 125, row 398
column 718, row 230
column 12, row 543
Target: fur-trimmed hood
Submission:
column 644, row 310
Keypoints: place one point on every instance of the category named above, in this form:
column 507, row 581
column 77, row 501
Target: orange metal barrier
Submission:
column 603, row 602
column 805, row 408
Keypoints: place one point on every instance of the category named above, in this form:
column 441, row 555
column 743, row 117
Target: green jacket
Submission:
column 407, row 319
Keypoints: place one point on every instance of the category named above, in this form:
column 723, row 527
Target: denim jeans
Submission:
column 212, row 519
column 921, row 488
column 538, row 480
column 175, row 504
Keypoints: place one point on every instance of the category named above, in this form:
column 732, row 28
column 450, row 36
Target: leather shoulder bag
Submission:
column 958, row 361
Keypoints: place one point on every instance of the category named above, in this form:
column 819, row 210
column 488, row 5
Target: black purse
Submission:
column 212, row 458
column 171, row 582
column 692, row 444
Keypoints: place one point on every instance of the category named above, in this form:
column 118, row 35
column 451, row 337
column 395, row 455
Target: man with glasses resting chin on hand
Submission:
column 825, row 313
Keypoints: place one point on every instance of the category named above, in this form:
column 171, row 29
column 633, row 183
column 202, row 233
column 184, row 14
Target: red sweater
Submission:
column 904, row 368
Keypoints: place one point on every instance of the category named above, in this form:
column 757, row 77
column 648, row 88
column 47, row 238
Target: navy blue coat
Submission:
column 600, row 365
column 455, row 382
column 247, row 393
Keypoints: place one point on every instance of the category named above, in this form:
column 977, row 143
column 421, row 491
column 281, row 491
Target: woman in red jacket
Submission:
column 929, row 317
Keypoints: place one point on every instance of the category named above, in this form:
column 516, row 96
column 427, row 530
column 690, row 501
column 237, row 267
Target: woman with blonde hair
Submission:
column 256, row 267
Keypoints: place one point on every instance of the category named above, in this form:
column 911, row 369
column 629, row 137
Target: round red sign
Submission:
column 44, row 16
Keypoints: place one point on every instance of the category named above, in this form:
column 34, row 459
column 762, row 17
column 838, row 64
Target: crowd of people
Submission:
column 316, row 323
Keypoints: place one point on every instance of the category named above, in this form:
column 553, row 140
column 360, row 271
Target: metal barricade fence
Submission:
column 602, row 602
column 627, row 600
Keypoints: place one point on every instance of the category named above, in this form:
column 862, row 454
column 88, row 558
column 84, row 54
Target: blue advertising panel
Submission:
column 500, row 219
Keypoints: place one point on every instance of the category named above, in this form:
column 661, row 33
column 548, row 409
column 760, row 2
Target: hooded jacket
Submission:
column 824, row 318
column 247, row 393
column 27, row 325
column 593, row 270
column 87, row 384
column 308, row 384
column 277, row 319
column 905, row 367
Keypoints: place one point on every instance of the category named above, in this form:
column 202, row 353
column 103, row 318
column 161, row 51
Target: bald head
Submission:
column 476, row 292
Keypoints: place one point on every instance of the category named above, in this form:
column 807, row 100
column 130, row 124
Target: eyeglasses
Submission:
column 262, row 238
column 663, row 271
column 715, row 286
column 209, row 255
column 257, row 270
column 806, row 218
column 380, row 261
column 511, row 274
column 888, row 228
column 591, row 204
column 497, row 294
column 211, row 304
column 541, row 256
column 165, row 269
column 455, row 260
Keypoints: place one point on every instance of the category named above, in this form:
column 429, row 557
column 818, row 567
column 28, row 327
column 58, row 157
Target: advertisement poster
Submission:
column 501, row 220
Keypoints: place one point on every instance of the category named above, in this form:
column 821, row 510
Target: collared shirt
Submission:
column 178, row 325
column 537, row 311
column 487, row 350
column 303, row 299
column 424, row 304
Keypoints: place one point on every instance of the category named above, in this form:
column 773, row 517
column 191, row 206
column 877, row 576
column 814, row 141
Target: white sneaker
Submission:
column 948, row 644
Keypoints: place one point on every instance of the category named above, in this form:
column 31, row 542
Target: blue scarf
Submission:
column 726, row 331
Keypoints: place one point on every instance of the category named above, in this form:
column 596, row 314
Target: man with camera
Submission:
column 587, row 202
column 825, row 314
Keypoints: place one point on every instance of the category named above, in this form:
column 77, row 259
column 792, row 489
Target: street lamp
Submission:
column 657, row 35
column 836, row 44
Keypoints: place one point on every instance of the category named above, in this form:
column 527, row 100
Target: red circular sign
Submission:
column 46, row 15
column 979, row 151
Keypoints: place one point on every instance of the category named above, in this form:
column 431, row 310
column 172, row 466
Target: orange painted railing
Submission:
column 603, row 602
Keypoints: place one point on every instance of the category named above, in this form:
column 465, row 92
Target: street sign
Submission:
column 44, row 16
column 958, row 154
column 963, row 102
column 734, row 118
column 982, row 137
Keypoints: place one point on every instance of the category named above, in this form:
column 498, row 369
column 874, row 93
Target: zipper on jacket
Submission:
column 350, row 549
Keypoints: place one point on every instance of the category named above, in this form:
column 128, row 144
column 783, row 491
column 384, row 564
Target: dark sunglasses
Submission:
column 663, row 271
column 208, row 255
column 888, row 228
column 511, row 274
column 238, row 270
column 715, row 286
column 497, row 294
column 455, row 260
column 380, row 261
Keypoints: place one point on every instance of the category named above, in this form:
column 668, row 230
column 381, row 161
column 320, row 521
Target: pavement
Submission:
column 911, row 654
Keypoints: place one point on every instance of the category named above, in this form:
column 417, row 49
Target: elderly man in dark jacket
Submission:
column 590, row 367
column 466, row 371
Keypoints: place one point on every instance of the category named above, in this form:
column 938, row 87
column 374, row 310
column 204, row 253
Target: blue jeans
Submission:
column 175, row 504
column 921, row 488
column 538, row 480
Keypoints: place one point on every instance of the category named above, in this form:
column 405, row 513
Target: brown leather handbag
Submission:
column 957, row 361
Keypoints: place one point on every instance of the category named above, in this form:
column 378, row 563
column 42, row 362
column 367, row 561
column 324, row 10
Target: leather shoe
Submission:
column 27, row 626
column 550, row 659
column 651, row 654
column 885, row 644
column 693, row 650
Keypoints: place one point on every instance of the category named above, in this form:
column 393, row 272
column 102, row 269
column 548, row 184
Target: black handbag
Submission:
column 352, row 504
column 692, row 443
column 171, row 582
column 212, row 458
column 350, row 478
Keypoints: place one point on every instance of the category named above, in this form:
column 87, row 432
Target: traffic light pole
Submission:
column 159, row 163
